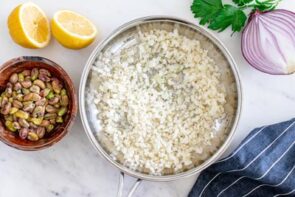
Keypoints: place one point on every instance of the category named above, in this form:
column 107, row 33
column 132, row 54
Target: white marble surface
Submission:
column 72, row 168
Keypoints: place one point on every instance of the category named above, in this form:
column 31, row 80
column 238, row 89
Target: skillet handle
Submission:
column 121, row 186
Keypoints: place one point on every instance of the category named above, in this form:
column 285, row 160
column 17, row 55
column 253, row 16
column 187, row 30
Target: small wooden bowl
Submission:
column 30, row 62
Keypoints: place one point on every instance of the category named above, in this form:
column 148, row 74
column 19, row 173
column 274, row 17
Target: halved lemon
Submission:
column 72, row 30
column 28, row 26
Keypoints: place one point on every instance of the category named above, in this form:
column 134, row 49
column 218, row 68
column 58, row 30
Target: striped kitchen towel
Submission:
column 263, row 165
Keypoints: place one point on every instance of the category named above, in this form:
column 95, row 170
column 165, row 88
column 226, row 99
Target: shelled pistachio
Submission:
column 33, row 103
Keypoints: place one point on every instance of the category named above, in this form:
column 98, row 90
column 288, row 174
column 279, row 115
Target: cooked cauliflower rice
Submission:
column 158, row 102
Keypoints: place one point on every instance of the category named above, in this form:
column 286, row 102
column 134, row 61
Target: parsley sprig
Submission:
column 220, row 16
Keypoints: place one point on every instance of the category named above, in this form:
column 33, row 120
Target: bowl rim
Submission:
column 67, row 125
column 82, row 102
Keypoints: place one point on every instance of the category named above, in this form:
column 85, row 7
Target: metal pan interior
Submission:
column 127, row 36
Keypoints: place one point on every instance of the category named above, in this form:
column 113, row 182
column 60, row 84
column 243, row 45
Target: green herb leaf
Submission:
column 265, row 5
column 227, row 16
column 206, row 10
column 242, row 2
column 218, row 16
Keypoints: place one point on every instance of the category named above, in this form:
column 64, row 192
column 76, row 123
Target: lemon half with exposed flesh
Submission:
column 72, row 30
column 28, row 26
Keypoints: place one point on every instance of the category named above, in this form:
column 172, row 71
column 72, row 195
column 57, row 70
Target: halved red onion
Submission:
column 268, row 41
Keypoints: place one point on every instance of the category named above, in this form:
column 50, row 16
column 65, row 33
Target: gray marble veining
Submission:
column 72, row 168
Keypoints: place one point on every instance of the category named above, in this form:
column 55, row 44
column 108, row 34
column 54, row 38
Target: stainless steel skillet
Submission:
column 124, row 36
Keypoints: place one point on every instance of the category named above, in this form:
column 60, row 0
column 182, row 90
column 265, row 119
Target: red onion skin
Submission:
column 252, row 15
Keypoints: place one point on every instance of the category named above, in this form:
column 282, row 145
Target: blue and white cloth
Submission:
column 263, row 165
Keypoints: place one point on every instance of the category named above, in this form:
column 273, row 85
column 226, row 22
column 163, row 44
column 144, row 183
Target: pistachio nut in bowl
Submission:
column 160, row 99
column 37, row 103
